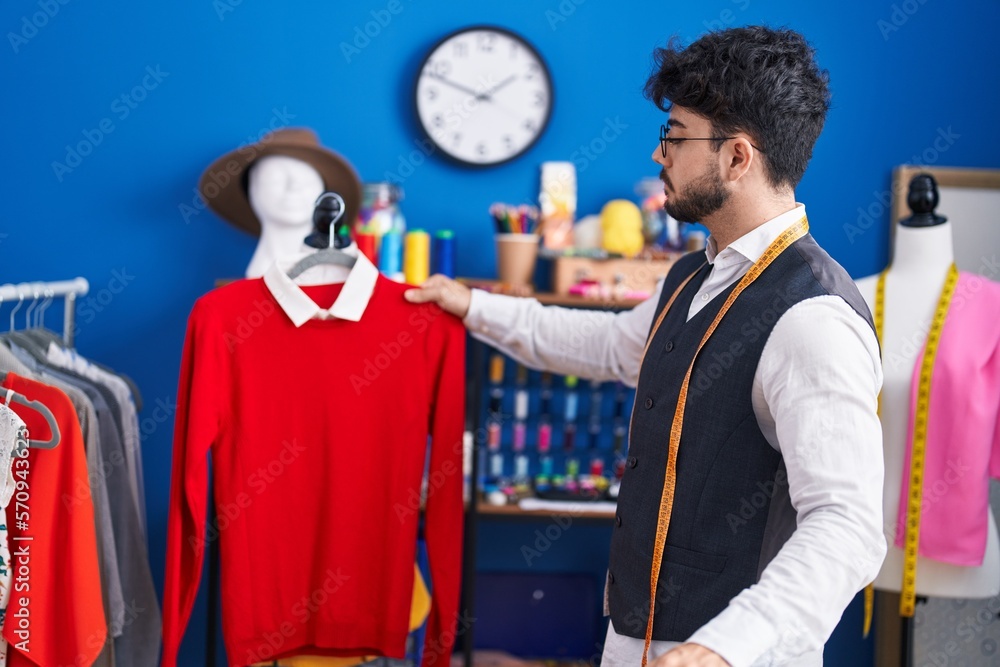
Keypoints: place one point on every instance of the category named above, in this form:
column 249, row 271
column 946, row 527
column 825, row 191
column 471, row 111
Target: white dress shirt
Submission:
column 815, row 395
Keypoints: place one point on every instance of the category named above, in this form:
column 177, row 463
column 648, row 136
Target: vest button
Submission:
column 632, row 462
column 649, row 403
column 618, row 520
column 669, row 346
column 611, row 578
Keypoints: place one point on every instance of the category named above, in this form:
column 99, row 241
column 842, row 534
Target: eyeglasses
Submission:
column 673, row 141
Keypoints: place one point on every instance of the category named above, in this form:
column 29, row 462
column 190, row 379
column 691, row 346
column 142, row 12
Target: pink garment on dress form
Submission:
column 963, row 429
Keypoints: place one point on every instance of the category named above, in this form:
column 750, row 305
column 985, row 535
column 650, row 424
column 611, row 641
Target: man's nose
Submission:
column 658, row 157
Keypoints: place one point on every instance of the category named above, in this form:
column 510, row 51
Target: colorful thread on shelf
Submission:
column 417, row 257
column 444, row 253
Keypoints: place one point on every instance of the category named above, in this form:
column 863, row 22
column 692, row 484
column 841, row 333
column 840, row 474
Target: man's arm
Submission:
column 820, row 376
column 593, row 344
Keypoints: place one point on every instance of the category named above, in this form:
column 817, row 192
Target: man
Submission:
column 754, row 511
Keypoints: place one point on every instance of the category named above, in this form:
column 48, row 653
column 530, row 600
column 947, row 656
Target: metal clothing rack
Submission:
column 68, row 289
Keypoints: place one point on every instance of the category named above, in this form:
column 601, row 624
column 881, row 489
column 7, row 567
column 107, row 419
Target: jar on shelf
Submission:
column 658, row 228
column 380, row 213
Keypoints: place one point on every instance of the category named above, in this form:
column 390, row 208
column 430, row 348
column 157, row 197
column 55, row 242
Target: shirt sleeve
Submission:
column 444, row 514
column 199, row 396
column 593, row 344
column 820, row 373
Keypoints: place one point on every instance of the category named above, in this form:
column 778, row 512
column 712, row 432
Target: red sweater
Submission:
column 56, row 614
column 319, row 437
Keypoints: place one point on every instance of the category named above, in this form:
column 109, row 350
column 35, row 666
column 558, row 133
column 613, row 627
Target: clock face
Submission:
column 483, row 95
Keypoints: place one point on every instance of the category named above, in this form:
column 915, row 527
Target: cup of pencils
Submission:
column 517, row 243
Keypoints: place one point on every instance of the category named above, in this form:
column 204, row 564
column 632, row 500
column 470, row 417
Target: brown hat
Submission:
column 223, row 185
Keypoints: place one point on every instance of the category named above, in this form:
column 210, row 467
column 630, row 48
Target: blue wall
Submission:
column 913, row 78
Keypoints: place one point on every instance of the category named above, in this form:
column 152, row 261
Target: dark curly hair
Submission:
column 756, row 80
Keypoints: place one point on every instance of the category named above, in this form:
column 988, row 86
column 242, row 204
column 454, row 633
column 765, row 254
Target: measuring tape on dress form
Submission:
column 779, row 245
column 911, row 541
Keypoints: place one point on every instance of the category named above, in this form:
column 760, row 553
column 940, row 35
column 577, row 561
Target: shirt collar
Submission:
column 752, row 245
column 349, row 305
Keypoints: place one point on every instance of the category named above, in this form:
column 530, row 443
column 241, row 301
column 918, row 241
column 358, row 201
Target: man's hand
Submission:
column 452, row 296
column 689, row 655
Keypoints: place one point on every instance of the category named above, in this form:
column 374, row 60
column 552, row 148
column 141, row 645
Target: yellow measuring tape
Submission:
column 779, row 245
column 908, row 596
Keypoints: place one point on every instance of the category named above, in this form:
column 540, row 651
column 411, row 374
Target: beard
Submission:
column 703, row 196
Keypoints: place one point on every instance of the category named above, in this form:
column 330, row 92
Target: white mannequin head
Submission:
column 282, row 190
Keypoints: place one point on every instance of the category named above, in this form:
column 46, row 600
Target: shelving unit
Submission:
column 479, row 510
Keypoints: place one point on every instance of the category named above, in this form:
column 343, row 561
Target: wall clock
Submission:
column 483, row 95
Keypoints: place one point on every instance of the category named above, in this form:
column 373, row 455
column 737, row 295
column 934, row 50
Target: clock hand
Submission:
column 457, row 86
column 500, row 85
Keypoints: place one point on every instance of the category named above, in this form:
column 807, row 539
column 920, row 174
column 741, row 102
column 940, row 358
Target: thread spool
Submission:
column 416, row 257
column 391, row 256
column 444, row 253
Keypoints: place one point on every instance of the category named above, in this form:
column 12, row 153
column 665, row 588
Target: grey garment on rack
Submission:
column 138, row 640
column 108, row 556
column 125, row 414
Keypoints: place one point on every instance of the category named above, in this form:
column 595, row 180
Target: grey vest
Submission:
column 731, row 511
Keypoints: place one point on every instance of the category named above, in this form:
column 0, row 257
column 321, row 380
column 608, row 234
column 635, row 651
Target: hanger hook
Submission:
column 31, row 308
column 40, row 314
column 20, row 300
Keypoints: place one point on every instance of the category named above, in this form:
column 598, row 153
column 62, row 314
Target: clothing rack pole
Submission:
column 69, row 319
column 69, row 289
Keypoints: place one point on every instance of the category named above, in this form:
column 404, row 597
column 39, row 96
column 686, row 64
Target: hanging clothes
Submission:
column 317, row 404
column 58, row 607
column 963, row 429
column 135, row 627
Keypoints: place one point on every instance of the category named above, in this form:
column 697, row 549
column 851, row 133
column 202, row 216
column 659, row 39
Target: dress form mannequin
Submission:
column 922, row 254
column 282, row 192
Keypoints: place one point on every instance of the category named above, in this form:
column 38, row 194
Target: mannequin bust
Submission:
column 921, row 256
column 282, row 191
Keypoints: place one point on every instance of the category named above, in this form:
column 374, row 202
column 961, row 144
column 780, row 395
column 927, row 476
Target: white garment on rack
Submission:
column 13, row 435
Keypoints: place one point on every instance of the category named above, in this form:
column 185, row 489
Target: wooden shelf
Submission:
column 486, row 509
column 549, row 299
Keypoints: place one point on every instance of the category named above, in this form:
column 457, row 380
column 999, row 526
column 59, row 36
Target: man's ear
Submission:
column 740, row 157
